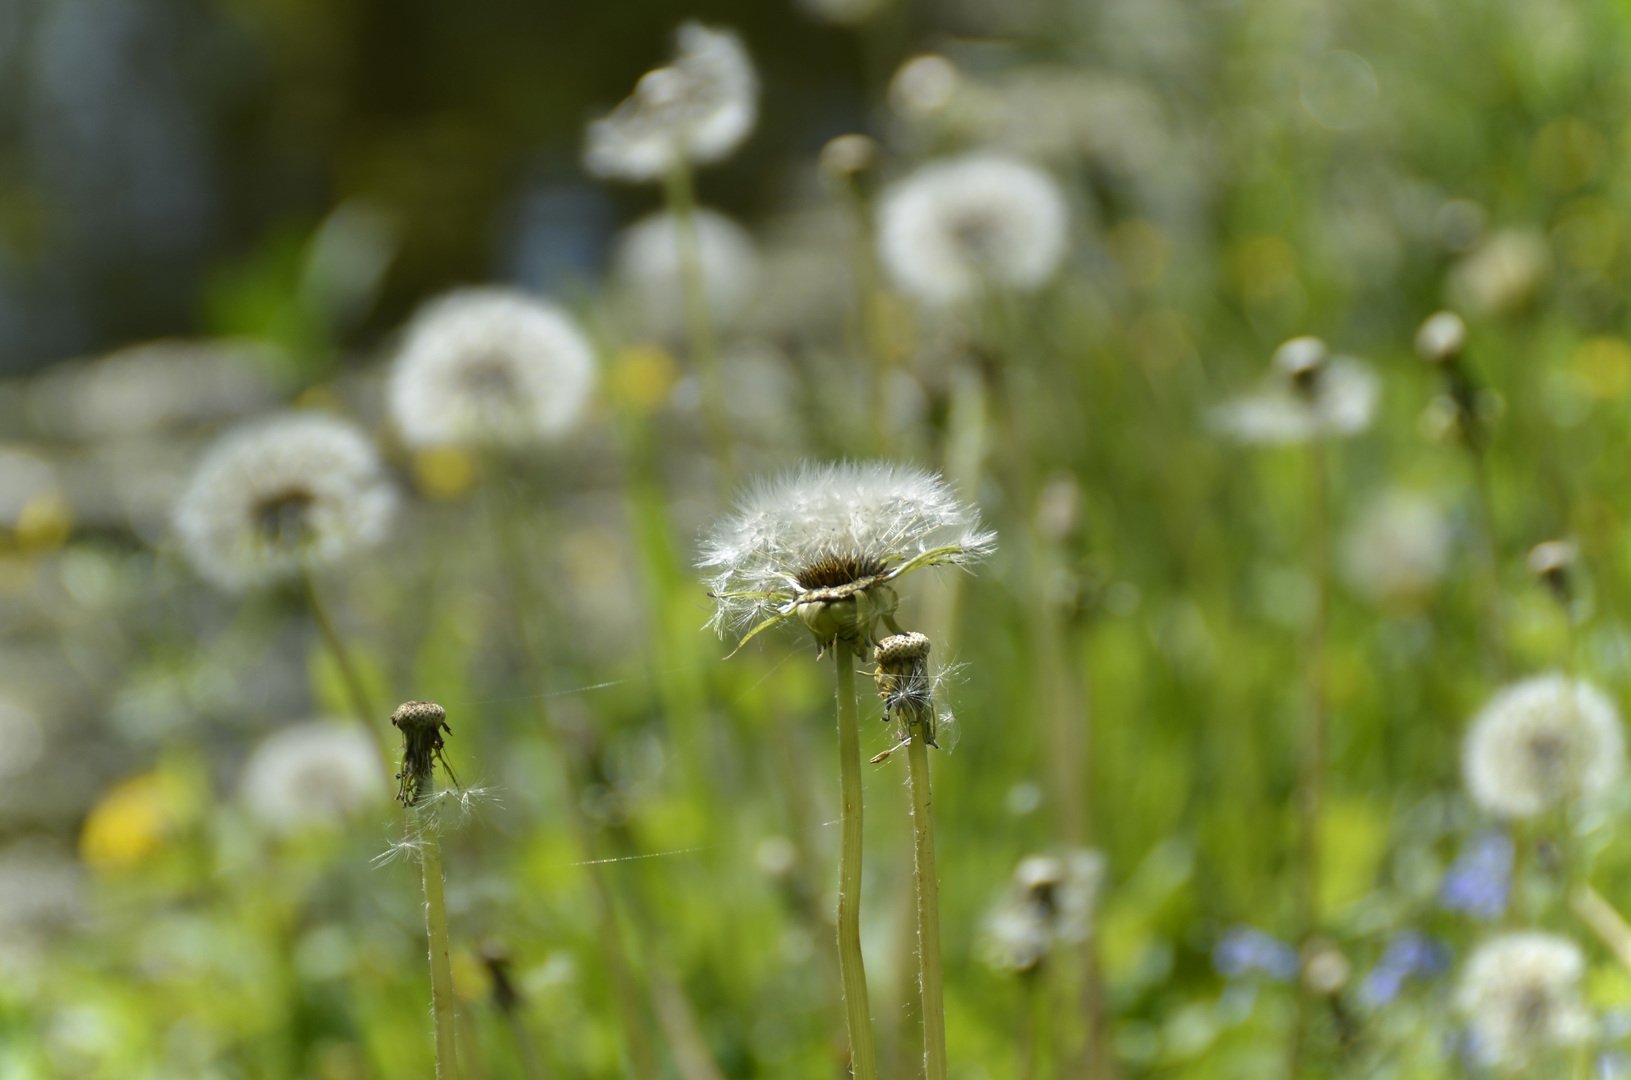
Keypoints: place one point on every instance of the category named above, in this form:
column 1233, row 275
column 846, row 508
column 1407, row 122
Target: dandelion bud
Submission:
column 1553, row 562
column 1441, row 338
column 848, row 155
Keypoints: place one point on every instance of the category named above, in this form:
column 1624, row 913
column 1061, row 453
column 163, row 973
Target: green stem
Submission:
column 851, row 966
column 362, row 702
column 927, row 879
column 425, row 832
column 1494, row 613
column 699, row 326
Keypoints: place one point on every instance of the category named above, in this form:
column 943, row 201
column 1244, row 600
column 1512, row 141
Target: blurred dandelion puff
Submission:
column 490, row 367
column 956, row 228
column 826, row 543
column 310, row 774
column 1540, row 743
column 648, row 265
column 1520, row 993
column 1309, row 394
column 280, row 495
column 1051, row 900
column 697, row 109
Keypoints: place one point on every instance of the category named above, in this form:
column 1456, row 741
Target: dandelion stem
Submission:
column 362, row 701
column 851, row 966
column 1494, row 614
column 1311, row 762
column 927, row 880
column 426, row 833
column 682, row 202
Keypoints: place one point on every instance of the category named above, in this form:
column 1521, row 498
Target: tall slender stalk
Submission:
column 851, row 965
column 1315, row 736
column 699, row 327
column 927, row 880
column 363, row 704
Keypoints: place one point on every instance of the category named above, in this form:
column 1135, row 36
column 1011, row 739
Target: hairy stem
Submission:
column 851, row 966
column 425, row 833
column 926, row 877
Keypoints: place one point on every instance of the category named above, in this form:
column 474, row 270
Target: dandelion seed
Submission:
column 1520, row 993
column 955, row 228
column 490, row 367
column 1541, row 743
column 826, row 543
column 697, row 109
column 647, row 263
column 1309, row 394
column 297, row 490
column 311, row 774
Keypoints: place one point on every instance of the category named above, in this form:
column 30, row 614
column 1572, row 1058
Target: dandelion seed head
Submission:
column 1014, row 939
column 825, row 541
column 1398, row 549
column 300, row 489
column 1520, row 993
column 1309, row 394
column 1051, row 901
column 965, row 224
column 1441, row 337
column 696, row 109
column 311, row 775
column 1540, row 743
column 647, row 265
column 1502, row 274
column 490, row 367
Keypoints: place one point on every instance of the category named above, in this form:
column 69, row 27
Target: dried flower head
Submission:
column 646, row 262
column 1541, row 743
column 826, row 542
column 1309, row 394
column 297, row 490
column 1520, row 993
column 421, row 724
column 907, row 687
column 697, row 109
column 490, row 367
column 957, row 227
column 311, row 774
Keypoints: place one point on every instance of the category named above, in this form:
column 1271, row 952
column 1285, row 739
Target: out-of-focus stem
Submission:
column 851, row 966
column 362, row 702
column 699, row 325
column 927, row 879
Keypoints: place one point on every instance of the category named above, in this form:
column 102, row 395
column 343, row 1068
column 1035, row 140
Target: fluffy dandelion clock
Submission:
column 282, row 494
column 490, row 367
column 1541, row 743
column 697, row 109
column 311, row 775
column 1399, row 549
column 1520, row 993
column 647, row 263
column 957, row 227
column 1309, row 394
column 826, row 542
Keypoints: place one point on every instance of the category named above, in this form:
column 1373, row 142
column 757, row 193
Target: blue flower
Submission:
column 1244, row 950
column 1410, row 954
column 1480, row 879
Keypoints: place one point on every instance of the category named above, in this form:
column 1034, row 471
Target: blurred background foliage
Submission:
column 208, row 210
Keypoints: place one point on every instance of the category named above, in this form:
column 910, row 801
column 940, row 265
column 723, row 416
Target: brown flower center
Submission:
column 283, row 517
column 835, row 571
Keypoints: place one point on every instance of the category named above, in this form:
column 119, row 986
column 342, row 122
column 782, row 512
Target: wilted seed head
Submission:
column 826, row 543
column 276, row 495
column 1520, row 993
column 421, row 724
column 696, row 109
column 904, row 683
column 957, row 227
column 1310, row 394
column 490, row 367
column 1441, row 338
column 1553, row 563
column 1541, row 743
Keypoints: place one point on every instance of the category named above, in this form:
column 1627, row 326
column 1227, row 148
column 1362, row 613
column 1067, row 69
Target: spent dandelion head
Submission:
column 490, row 367
column 282, row 494
column 1309, row 394
column 1520, row 993
column 956, row 228
column 421, row 724
column 1541, row 743
column 827, row 543
column 907, row 688
column 695, row 110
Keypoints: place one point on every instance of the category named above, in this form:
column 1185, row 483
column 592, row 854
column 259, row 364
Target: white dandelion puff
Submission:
column 1309, row 394
column 697, row 109
column 957, row 227
column 825, row 542
column 1541, row 743
column 311, row 775
column 490, row 367
column 1520, row 993
column 647, row 262
column 1502, row 275
column 1051, row 901
column 295, row 490
column 1399, row 549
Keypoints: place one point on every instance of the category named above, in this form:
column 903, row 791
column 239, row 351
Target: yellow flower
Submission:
column 127, row 825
